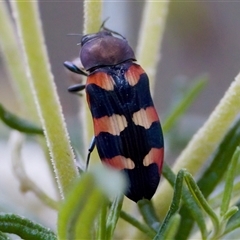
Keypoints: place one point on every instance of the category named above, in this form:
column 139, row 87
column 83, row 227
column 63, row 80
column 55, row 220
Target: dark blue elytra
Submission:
column 134, row 141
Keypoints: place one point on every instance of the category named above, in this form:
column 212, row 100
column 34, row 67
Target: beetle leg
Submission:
column 76, row 88
column 90, row 149
column 73, row 68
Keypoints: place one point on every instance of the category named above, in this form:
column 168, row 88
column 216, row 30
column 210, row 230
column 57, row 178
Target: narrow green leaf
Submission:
column 24, row 228
column 185, row 102
column 191, row 206
column 235, row 216
column 147, row 210
column 220, row 160
column 113, row 216
column 168, row 174
column 101, row 231
column 71, row 207
column 18, row 123
column 230, row 212
column 234, row 222
column 140, row 226
column 201, row 201
column 85, row 220
column 174, row 205
column 171, row 228
column 195, row 212
column 229, row 182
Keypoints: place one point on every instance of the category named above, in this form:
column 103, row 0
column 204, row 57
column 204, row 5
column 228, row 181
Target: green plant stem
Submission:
column 147, row 210
column 92, row 16
column 44, row 90
column 113, row 216
column 15, row 65
column 142, row 227
column 203, row 143
column 150, row 37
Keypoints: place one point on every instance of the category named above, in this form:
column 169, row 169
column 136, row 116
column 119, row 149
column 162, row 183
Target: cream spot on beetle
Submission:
column 155, row 155
column 119, row 162
column 114, row 124
column 145, row 117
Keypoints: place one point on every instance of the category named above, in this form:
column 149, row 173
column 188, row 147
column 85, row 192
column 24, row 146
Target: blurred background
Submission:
column 200, row 38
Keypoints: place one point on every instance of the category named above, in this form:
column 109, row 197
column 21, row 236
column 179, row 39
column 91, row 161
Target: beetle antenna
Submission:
column 103, row 23
column 102, row 27
column 74, row 34
column 113, row 32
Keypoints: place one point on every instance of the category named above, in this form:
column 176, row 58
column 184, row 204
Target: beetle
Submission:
column 127, row 130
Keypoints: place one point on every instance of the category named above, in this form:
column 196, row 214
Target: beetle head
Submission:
column 104, row 49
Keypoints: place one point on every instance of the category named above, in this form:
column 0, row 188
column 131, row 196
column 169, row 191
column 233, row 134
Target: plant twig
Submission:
column 26, row 184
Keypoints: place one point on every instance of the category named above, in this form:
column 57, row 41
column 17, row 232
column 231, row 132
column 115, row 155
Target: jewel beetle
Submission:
column 127, row 130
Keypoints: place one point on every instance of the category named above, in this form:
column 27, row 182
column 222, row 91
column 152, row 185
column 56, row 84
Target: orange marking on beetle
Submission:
column 155, row 155
column 133, row 74
column 102, row 80
column 114, row 124
column 145, row 117
column 119, row 162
